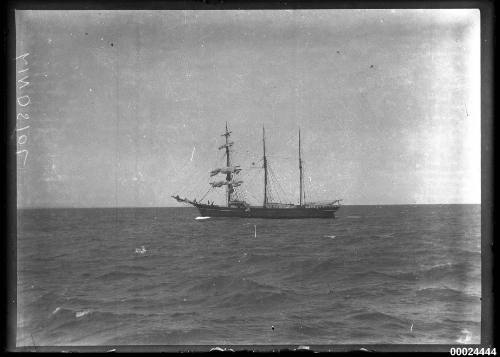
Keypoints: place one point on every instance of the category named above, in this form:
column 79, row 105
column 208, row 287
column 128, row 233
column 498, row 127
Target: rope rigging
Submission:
column 195, row 185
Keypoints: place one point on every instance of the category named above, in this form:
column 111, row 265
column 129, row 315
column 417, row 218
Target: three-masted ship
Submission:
column 236, row 207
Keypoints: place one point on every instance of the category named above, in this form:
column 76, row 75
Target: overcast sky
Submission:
column 127, row 107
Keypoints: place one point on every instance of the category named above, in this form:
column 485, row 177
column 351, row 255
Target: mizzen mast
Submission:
column 265, row 164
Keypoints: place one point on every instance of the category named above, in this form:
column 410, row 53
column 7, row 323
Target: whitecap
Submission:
column 79, row 314
column 465, row 338
column 386, row 235
column 302, row 348
column 56, row 310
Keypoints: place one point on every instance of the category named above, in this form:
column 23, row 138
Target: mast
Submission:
column 229, row 188
column 300, row 173
column 265, row 165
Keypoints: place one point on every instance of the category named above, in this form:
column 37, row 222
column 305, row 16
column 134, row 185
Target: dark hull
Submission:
column 261, row 212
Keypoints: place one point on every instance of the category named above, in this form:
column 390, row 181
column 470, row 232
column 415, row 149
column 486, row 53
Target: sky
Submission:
column 127, row 107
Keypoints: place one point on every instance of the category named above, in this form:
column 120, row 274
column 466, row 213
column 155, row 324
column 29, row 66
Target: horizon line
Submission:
column 348, row 205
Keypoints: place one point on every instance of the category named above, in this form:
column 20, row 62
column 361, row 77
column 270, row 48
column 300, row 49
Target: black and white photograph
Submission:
column 248, row 177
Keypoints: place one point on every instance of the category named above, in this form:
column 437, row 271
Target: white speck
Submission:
column 411, row 327
column 49, row 40
column 91, row 90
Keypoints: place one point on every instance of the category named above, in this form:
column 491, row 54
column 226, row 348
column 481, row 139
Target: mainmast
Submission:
column 229, row 189
column 265, row 165
column 300, row 173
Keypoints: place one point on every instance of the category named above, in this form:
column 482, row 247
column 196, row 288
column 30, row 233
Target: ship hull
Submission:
column 262, row 212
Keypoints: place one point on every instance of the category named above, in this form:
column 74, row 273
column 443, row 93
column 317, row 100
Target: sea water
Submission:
column 375, row 274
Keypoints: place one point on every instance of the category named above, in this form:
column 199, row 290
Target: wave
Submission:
column 374, row 318
column 385, row 235
column 312, row 269
column 228, row 291
column 133, row 268
column 446, row 294
column 116, row 275
column 252, row 300
column 375, row 276
column 157, row 286
column 256, row 258
column 445, row 272
column 81, row 319
column 166, row 337
column 308, row 329
column 223, row 284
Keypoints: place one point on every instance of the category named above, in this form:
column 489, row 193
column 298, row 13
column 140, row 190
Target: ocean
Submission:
column 402, row 274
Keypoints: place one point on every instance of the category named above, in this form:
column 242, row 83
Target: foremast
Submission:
column 229, row 171
column 229, row 174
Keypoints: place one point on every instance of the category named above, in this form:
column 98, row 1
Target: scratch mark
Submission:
column 192, row 153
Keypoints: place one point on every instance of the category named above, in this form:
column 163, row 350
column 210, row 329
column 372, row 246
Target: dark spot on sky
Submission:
column 111, row 44
column 86, row 33
column 338, row 52
column 371, row 66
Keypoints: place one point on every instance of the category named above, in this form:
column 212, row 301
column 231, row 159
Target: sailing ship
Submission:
column 237, row 207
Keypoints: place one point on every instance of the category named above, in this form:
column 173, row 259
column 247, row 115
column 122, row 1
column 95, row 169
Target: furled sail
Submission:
column 236, row 183
column 218, row 183
column 229, row 144
column 230, row 183
column 225, row 170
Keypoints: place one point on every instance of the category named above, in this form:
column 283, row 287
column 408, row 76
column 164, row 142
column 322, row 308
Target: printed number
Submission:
column 464, row 351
